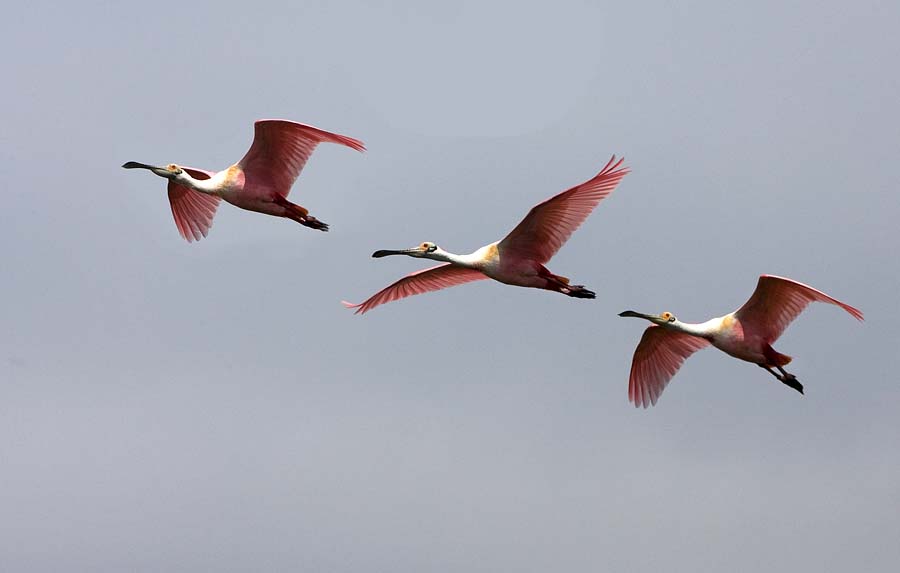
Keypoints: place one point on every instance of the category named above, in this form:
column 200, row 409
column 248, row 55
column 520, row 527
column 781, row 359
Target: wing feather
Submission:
column 657, row 358
column 427, row 280
column 777, row 301
column 549, row 225
column 280, row 150
column 193, row 211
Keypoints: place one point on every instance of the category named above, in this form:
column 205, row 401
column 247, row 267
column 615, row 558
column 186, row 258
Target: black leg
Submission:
column 785, row 378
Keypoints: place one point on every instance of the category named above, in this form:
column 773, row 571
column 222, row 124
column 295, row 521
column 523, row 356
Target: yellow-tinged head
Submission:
column 660, row 319
column 668, row 317
column 170, row 171
column 423, row 250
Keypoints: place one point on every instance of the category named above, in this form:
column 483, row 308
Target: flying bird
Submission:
column 747, row 333
column 260, row 181
column 519, row 258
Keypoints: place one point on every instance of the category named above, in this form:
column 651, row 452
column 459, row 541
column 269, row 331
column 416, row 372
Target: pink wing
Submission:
column 193, row 210
column 280, row 150
column 427, row 280
column 777, row 301
column 549, row 225
column 657, row 358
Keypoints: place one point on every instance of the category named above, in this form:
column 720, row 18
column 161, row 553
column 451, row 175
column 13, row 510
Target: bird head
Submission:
column 426, row 250
column 170, row 171
column 660, row 319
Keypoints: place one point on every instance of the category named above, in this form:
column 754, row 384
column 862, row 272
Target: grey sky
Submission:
column 176, row 407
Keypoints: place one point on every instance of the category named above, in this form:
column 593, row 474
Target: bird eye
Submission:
column 431, row 248
column 671, row 318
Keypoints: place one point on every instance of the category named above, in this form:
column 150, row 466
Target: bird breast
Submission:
column 233, row 179
column 232, row 189
column 729, row 337
column 488, row 256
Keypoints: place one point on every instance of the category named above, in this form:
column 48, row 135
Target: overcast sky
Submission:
column 167, row 406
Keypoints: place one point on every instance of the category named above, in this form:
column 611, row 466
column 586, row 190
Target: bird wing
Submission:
column 549, row 225
column 193, row 210
column 657, row 358
column 280, row 150
column 427, row 280
column 777, row 301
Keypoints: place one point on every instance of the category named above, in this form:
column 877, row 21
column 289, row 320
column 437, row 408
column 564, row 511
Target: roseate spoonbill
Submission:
column 747, row 333
column 260, row 181
column 519, row 258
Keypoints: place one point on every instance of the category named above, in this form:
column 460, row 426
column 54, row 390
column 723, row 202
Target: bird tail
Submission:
column 300, row 214
column 561, row 284
column 776, row 358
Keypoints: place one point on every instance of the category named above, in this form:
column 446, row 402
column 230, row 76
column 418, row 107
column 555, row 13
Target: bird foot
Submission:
column 578, row 291
column 791, row 381
column 313, row 223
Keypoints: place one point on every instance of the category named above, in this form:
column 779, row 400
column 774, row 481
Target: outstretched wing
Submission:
column 777, row 301
column 549, row 225
column 657, row 358
column 427, row 280
column 193, row 210
column 280, row 150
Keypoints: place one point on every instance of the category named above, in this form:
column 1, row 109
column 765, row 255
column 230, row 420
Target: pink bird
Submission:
column 516, row 260
column 260, row 181
column 747, row 333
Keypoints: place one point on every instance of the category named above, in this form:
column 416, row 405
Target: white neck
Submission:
column 702, row 329
column 444, row 256
column 209, row 186
column 471, row 261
